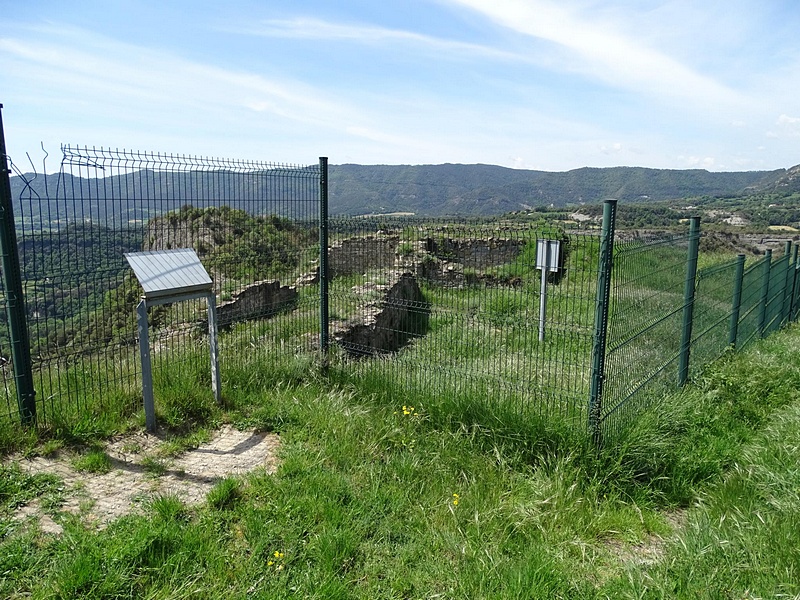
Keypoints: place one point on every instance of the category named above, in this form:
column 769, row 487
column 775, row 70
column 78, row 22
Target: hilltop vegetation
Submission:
column 81, row 293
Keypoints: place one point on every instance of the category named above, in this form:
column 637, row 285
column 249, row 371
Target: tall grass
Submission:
column 389, row 493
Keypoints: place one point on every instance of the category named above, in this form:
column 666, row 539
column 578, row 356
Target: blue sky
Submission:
column 535, row 84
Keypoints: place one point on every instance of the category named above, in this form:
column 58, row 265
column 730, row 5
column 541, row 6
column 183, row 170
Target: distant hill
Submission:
column 486, row 189
column 428, row 190
column 787, row 183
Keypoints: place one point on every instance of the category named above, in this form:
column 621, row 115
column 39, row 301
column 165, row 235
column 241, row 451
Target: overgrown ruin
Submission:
column 257, row 300
column 387, row 325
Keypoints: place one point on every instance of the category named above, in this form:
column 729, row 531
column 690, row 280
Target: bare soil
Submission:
column 138, row 474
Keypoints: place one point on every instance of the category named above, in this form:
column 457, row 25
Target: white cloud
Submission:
column 614, row 148
column 315, row 29
column 788, row 126
column 698, row 162
column 596, row 49
column 785, row 127
column 153, row 81
column 124, row 95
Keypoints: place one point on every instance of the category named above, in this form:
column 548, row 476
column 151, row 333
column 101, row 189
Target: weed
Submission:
column 225, row 494
column 153, row 467
column 18, row 488
column 169, row 508
column 131, row 448
column 51, row 447
column 94, row 461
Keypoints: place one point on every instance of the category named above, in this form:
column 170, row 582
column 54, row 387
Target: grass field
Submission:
column 459, row 467
column 371, row 500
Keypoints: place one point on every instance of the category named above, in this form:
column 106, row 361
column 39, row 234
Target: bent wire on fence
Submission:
column 252, row 223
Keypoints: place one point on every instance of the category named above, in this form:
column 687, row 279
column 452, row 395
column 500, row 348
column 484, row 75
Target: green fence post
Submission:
column 738, row 278
column 762, row 311
column 688, row 299
column 788, row 284
column 603, row 296
column 324, row 323
column 795, row 283
column 15, row 300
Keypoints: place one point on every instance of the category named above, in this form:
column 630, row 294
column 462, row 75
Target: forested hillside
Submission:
column 487, row 190
column 427, row 190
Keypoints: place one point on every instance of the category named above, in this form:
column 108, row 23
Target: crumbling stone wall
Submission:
column 476, row 253
column 360, row 254
column 390, row 324
column 168, row 232
column 258, row 300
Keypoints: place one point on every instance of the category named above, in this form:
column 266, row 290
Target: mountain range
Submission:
column 426, row 190
column 487, row 190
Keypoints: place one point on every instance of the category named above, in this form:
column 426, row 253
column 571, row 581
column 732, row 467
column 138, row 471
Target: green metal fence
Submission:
column 714, row 300
column 668, row 320
column 452, row 307
column 452, row 311
column 644, row 325
column 254, row 225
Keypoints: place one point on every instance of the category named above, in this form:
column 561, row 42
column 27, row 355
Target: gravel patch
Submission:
column 138, row 475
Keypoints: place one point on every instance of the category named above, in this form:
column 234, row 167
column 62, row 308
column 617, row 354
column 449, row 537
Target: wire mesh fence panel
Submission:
column 751, row 304
column 644, row 328
column 776, row 295
column 794, row 304
column 713, row 306
column 455, row 313
column 451, row 309
column 254, row 226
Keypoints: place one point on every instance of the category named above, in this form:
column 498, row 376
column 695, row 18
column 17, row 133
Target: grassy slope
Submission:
column 364, row 504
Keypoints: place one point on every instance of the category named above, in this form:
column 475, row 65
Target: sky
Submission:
column 532, row 84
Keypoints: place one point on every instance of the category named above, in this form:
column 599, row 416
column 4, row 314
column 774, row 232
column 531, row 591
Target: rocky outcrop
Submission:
column 389, row 324
column 174, row 231
column 258, row 300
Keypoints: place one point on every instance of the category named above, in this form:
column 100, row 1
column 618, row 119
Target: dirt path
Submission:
column 137, row 475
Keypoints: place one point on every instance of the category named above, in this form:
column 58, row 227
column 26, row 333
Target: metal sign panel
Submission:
column 169, row 272
column 548, row 254
column 171, row 276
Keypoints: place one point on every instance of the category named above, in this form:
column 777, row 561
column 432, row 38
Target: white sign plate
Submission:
column 547, row 254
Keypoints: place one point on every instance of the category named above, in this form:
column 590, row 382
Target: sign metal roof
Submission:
column 164, row 273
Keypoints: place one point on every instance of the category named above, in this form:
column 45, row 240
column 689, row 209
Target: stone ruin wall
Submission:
column 259, row 299
column 169, row 232
column 387, row 325
column 360, row 254
column 477, row 253
column 442, row 261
